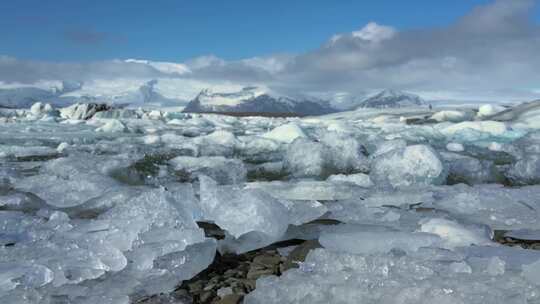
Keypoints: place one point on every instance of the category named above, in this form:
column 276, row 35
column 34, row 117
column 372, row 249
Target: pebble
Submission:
column 231, row 277
column 224, row 291
column 195, row 287
column 231, row 299
column 207, row 296
column 267, row 260
column 299, row 254
column 255, row 273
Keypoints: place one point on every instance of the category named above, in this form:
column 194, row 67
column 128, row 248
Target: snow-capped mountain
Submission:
column 392, row 99
column 141, row 93
column 344, row 101
column 256, row 100
column 26, row 96
column 150, row 96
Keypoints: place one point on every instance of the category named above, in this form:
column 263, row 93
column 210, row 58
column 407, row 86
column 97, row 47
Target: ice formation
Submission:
column 285, row 133
column 412, row 165
column 333, row 277
column 102, row 205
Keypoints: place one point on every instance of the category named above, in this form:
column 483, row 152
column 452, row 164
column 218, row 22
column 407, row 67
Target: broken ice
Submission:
column 104, row 205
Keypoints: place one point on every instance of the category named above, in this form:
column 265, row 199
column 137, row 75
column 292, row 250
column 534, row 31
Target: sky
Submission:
column 169, row 30
column 456, row 49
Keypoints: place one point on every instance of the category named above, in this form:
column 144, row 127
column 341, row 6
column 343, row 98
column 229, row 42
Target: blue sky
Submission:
column 76, row 30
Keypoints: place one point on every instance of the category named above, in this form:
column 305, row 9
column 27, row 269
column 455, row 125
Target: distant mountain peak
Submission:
column 394, row 93
column 255, row 99
column 390, row 98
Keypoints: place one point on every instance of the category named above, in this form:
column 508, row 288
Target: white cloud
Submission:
column 491, row 52
column 205, row 62
column 374, row 33
column 165, row 67
column 269, row 64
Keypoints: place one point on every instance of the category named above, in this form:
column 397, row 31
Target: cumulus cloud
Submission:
column 490, row 54
column 28, row 71
column 374, row 32
column 492, row 49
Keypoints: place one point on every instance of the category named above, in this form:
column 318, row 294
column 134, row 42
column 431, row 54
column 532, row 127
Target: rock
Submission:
column 210, row 286
column 207, row 296
column 231, row 299
column 195, row 287
column 255, row 273
column 248, row 284
column 267, row 261
column 224, row 291
column 299, row 254
column 231, row 273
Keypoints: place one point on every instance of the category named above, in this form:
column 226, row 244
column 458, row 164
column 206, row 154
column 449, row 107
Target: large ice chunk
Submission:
column 493, row 128
column 526, row 170
column 243, row 211
column 494, row 205
column 82, row 111
column 332, row 277
column 218, row 143
column 532, row 272
column 334, row 154
column 112, row 125
column 258, row 149
column 455, row 234
column 346, row 152
column 413, row 165
column 221, row 169
column 369, row 242
column 70, row 181
column 359, row 179
column 387, row 146
column 310, row 190
column 489, row 110
column 306, row 158
column 41, row 110
column 451, row 115
column 470, row 170
column 285, row 133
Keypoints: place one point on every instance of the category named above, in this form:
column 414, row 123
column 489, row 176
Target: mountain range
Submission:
column 250, row 99
column 256, row 100
column 74, row 92
column 392, row 99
